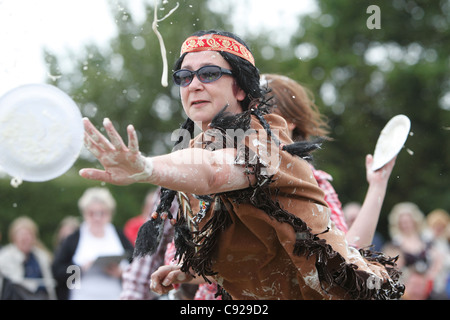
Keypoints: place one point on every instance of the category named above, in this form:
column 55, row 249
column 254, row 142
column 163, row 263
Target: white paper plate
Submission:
column 41, row 132
column 391, row 140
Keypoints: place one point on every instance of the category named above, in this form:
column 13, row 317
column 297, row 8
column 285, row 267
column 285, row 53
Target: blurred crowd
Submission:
column 86, row 263
column 92, row 259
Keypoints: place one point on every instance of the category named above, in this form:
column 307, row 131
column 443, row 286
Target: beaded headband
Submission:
column 215, row 42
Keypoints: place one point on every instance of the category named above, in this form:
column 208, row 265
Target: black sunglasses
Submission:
column 205, row 74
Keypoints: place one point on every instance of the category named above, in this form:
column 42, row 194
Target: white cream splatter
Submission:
column 146, row 173
column 312, row 280
column 164, row 77
column 16, row 182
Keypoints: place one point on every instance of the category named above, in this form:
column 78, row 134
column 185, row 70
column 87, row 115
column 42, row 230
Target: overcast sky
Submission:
column 27, row 26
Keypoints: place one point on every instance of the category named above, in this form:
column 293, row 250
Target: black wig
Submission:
column 245, row 73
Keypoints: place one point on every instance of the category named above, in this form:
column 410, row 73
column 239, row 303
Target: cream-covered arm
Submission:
column 193, row 170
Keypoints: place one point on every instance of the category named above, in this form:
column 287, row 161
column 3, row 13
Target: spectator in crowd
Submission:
column 96, row 237
column 417, row 285
column 406, row 229
column 26, row 262
column 437, row 231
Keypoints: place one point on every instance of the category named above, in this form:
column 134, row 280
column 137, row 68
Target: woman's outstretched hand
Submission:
column 123, row 164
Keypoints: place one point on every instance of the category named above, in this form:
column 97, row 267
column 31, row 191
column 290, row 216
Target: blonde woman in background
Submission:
column 406, row 226
column 26, row 262
column 96, row 237
column 438, row 231
column 416, row 254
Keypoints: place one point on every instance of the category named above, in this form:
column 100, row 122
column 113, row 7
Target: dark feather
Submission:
column 303, row 149
column 149, row 237
column 150, row 233
column 226, row 120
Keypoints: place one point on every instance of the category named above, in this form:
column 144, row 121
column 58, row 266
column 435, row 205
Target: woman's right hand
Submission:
column 123, row 164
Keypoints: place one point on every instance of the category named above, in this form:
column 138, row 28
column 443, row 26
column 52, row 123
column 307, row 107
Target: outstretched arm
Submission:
column 193, row 170
column 363, row 228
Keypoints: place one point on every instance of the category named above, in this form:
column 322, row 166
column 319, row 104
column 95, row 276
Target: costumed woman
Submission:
column 252, row 217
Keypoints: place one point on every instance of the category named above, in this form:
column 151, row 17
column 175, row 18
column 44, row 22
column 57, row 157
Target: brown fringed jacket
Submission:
column 275, row 239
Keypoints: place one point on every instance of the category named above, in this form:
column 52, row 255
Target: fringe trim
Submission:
column 332, row 268
column 197, row 249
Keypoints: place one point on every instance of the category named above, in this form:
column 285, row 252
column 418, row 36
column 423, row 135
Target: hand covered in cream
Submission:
column 123, row 164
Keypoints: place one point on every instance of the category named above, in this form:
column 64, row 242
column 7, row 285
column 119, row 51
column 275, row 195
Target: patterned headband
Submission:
column 215, row 42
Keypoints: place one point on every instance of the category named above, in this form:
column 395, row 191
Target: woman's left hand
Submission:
column 381, row 175
column 123, row 164
column 164, row 279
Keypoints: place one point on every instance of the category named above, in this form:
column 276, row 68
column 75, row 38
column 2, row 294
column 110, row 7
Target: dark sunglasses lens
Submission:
column 209, row 74
column 183, row 77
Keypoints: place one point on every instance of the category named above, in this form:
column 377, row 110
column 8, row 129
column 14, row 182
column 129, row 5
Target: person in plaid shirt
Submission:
column 136, row 278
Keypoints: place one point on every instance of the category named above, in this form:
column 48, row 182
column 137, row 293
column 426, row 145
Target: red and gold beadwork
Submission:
column 215, row 42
